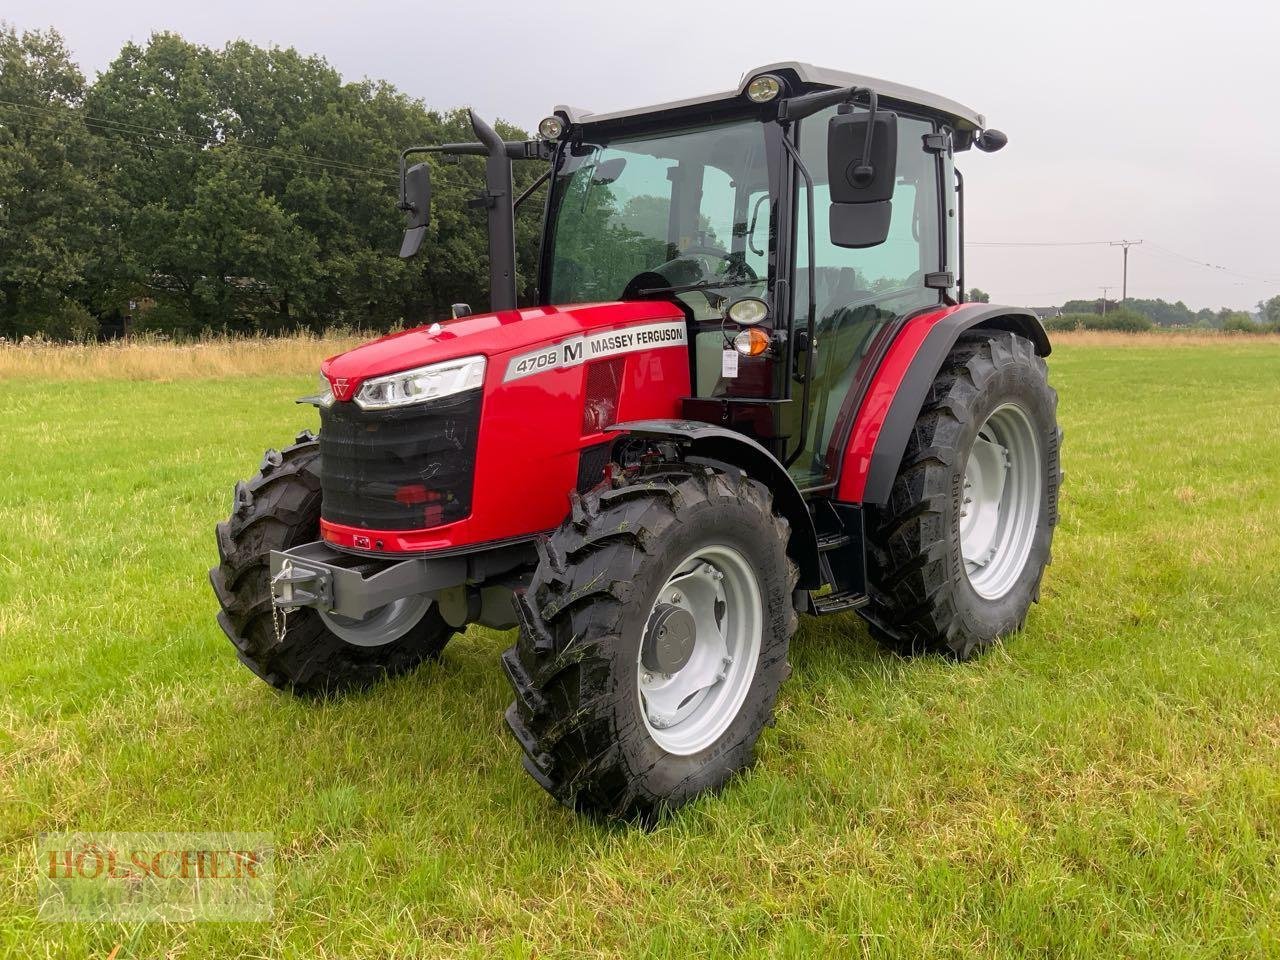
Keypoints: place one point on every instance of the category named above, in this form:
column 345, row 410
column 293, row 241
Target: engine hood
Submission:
column 490, row 334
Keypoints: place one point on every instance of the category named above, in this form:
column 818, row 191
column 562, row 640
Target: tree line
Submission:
column 1136, row 314
column 1160, row 313
column 242, row 189
column 190, row 189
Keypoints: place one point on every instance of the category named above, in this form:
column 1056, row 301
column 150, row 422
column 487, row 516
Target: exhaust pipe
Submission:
column 502, row 218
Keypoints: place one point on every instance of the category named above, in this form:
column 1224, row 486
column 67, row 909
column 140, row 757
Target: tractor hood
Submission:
column 499, row 336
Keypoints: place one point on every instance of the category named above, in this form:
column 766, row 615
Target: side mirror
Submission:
column 989, row 141
column 862, row 162
column 608, row 171
column 415, row 201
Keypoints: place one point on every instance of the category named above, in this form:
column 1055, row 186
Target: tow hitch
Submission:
column 315, row 575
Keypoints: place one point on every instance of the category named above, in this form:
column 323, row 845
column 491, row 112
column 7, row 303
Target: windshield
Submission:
column 684, row 211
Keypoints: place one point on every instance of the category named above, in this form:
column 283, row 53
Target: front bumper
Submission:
column 315, row 575
column 471, row 587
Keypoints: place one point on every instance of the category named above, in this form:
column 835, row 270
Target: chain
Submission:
column 280, row 621
column 279, row 618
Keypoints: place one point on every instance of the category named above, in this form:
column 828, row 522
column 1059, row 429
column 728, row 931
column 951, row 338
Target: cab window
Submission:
column 858, row 292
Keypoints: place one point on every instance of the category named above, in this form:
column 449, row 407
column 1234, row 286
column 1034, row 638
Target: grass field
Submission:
column 1107, row 784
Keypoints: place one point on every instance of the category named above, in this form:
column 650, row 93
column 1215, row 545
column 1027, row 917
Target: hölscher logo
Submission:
column 141, row 877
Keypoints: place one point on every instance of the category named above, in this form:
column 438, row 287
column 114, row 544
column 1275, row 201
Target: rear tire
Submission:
column 941, row 578
column 588, row 623
column 278, row 509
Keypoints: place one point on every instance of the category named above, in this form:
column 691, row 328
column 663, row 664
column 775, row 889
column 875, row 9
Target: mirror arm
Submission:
column 865, row 171
column 515, row 149
column 797, row 108
column 810, row 346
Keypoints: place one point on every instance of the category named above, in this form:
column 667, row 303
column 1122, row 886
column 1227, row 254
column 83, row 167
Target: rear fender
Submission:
column 704, row 441
column 901, row 385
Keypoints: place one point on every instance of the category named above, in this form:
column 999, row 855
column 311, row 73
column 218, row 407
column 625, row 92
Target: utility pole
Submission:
column 1126, row 244
column 1104, row 298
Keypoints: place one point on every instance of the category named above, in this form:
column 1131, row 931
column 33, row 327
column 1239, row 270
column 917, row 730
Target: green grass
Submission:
column 1107, row 784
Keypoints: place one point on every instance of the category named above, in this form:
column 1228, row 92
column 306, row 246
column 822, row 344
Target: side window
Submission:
column 857, row 292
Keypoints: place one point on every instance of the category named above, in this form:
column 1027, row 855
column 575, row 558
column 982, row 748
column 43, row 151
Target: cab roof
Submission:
column 964, row 118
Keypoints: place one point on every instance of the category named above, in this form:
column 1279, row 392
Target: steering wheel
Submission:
column 697, row 265
column 713, row 263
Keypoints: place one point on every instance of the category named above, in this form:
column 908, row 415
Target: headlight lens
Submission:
column 748, row 311
column 422, row 384
column 551, row 128
column 764, row 88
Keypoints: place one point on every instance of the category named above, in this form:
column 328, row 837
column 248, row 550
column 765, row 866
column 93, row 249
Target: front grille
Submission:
column 400, row 469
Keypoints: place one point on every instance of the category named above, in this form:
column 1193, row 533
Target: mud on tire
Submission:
column 577, row 713
column 921, row 599
column 277, row 509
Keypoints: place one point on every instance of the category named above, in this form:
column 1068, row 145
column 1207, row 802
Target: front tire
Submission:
column 278, row 509
column 626, row 702
column 956, row 557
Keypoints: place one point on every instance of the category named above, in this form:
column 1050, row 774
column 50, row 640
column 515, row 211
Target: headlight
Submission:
column 748, row 311
column 422, row 384
column 764, row 88
column 551, row 128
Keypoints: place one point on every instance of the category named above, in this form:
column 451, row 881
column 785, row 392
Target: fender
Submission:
column 900, row 385
column 705, row 440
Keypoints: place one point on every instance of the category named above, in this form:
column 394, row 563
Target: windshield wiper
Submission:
column 700, row 285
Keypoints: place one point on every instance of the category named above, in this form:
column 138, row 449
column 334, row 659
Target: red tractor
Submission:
column 722, row 412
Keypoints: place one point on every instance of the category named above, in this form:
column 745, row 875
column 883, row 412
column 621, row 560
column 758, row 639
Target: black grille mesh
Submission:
column 399, row 469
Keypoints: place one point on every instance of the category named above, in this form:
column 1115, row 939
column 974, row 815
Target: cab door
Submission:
column 858, row 293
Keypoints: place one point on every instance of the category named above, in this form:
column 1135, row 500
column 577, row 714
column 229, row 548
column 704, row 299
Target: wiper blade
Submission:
column 700, row 285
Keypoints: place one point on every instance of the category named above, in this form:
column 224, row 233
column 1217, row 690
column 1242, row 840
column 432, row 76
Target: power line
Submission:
column 1213, row 266
column 1125, row 244
column 1037, row 243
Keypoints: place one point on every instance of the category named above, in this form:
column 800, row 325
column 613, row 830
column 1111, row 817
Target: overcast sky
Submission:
column 1139, row 119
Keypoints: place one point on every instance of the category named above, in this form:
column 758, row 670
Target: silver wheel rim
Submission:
column 381, row 626
column 1001, row 504
column 689, row 709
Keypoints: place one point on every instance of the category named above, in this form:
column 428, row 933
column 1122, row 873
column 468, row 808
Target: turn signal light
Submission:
column 751, row 342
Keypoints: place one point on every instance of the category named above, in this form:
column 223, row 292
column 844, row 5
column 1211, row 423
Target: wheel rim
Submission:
column 716, row 591
column 1001, row 507
column 380, row 626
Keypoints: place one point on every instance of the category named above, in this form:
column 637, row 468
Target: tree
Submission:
column 979, row 296
column 54, row 207
column 1236, row 321
column 1270, row 311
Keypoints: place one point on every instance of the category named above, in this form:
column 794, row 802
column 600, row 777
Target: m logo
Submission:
column 573, row 352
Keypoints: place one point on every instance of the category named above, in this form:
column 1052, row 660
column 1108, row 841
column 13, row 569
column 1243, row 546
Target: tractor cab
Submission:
column 725, row 204
column 748, row 389
column 710, row 202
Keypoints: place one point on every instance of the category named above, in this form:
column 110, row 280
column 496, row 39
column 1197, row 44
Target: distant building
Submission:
column 1044, row 313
